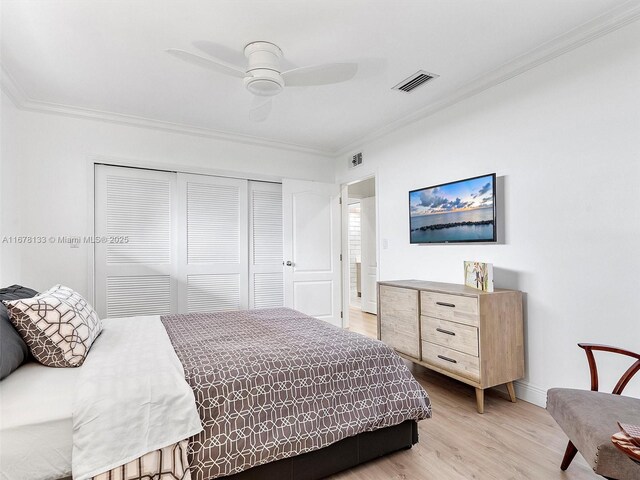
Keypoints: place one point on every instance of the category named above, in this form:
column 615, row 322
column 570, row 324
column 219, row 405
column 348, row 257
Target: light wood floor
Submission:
column 509, row 441
column 362, row 322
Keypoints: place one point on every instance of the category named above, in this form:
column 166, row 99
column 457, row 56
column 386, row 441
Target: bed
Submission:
column 274, row 393
column 36, row 423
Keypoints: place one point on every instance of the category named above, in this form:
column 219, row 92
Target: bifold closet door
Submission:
column 212, row 244
column 135, row 267
column 266, row 282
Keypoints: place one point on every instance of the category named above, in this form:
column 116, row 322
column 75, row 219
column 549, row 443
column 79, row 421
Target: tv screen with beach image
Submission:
column 462, row 211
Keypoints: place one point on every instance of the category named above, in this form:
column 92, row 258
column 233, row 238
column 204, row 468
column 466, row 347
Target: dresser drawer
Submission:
column 399, row 321
column 456, row 336
column 451, row 360
column 456, row 308
column 399, row 309
column 401, row 342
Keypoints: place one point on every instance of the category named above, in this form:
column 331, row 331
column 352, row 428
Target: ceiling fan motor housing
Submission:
column 264, row 69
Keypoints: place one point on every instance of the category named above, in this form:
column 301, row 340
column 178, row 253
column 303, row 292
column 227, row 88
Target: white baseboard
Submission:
column 531, row 393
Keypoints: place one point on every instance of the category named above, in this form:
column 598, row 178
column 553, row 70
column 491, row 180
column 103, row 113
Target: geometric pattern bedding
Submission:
column 59, row 326
column 275, row 383
column 168, row 463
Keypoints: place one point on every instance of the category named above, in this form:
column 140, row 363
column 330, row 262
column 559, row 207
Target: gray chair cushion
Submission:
column 13, row 350
column 589, row 419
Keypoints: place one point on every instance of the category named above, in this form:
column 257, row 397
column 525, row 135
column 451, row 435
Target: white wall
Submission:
column 10, row 197
column 565, row 138
column 45, row 182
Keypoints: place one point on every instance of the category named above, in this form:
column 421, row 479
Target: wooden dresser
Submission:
column 473, row 336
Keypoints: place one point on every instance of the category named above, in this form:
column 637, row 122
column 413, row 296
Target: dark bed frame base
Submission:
column 336, row 457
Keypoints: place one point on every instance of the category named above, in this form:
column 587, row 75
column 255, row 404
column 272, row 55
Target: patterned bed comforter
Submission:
column 168, row 463
column 275, row 383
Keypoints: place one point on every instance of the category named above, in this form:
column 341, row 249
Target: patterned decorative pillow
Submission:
column 58, row 325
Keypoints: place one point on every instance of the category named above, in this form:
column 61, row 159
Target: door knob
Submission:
column 289, row 263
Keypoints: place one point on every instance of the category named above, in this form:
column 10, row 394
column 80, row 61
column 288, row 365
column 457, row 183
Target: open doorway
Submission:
column 362, row 257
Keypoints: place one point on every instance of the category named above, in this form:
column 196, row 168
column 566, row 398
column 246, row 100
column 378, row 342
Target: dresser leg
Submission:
column 480, row 400
column 512, row 391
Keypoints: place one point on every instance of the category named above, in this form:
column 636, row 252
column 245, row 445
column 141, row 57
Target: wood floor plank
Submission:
column 509, row 441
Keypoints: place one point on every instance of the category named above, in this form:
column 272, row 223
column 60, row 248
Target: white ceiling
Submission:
column 108, row 55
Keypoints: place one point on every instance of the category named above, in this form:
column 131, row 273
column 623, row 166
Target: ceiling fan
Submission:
column 263, row 77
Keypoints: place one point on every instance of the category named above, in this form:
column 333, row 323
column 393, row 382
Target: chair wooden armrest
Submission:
column 589, row 348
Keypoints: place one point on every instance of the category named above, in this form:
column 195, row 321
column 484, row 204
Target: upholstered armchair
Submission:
column 589, row 418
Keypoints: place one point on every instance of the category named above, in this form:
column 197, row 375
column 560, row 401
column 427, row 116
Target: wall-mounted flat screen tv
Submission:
column 462, row 211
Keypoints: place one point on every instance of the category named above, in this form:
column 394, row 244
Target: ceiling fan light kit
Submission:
column 266, row 83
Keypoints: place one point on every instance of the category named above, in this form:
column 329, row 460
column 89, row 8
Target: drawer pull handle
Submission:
column 444, row 304
column 445, row 331
column 447, row 359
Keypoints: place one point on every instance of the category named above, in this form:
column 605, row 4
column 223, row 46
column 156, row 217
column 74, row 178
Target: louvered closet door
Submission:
column 266, row 282
column 212, row 244
column 136, row 277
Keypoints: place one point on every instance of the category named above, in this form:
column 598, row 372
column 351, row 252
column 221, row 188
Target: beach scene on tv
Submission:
column 456, row 212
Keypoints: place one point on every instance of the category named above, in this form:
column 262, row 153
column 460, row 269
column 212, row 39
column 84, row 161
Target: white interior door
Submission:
column 311, row 225
column 212, row 244
column 266, row 277
column 368, row 256
column 135, row 268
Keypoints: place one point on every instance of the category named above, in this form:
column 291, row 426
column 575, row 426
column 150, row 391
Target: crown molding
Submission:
column 23, row 102
column 608, row 22
column 598, row 27
column 11, row 88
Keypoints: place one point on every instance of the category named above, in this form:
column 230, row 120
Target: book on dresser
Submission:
column 472, row 336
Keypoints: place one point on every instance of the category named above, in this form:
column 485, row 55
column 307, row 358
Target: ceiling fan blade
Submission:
column 260, row 109
column 320, row 74
column 219, row 66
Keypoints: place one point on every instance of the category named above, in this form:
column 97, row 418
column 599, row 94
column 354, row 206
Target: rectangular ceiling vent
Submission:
column 414, row 81
column 356, row 160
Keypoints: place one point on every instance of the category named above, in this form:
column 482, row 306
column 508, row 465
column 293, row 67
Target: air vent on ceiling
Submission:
column 356, row 160
column 414, row 81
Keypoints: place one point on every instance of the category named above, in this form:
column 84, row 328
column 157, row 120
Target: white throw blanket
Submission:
column 131, row 397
